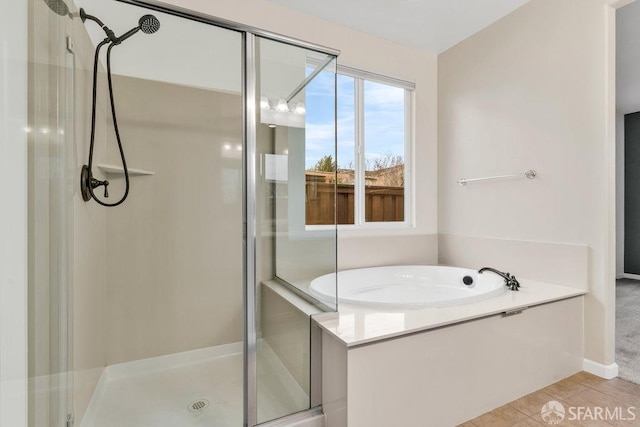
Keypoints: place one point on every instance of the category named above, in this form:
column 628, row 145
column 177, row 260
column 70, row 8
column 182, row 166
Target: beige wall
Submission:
column 369, row 53
column 288, row 331
column 563, row 263
column 371, row 251
column 174, row 248
column 90, row 235
column 530, row 92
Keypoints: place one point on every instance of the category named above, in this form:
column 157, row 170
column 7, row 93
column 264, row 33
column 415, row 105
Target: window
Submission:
column 371, row 171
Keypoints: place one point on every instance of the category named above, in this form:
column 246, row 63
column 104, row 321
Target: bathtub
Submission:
column 411, row 286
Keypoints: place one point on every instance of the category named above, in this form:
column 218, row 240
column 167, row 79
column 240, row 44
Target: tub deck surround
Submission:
column 356, row 325
column 443, row 376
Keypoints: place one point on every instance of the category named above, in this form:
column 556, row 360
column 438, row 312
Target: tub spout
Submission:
column 510, row 281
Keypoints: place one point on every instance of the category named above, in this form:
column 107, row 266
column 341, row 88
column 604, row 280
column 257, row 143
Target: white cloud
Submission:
column 377, row 94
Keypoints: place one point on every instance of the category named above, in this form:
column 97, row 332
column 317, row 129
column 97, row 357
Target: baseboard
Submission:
column 628, row 276
column 604, row 371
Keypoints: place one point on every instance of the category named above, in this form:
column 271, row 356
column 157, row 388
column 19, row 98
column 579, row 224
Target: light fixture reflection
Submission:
column 264, row 103
column 282, row 106
column 300, row 108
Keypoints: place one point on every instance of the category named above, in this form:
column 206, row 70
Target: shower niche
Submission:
column 171, row 311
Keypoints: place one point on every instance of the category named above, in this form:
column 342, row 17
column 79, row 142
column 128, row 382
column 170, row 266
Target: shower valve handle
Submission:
column 95, row 183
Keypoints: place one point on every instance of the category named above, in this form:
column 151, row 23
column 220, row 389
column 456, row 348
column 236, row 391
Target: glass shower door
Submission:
column 137, row 311
column 50, row 130
column 296, row 178
column 156, row 282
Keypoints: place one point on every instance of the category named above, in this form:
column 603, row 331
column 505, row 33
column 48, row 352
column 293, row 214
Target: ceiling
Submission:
column 430, row 25
column 628, row 59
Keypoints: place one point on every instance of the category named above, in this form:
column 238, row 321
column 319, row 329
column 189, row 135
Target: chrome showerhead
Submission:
column 149, row 24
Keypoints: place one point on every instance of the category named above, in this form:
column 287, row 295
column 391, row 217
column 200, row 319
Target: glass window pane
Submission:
column 320, row 156
column 321, row 166
column 384, row 136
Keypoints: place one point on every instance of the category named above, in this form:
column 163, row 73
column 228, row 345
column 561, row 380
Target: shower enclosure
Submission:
column 188, row 303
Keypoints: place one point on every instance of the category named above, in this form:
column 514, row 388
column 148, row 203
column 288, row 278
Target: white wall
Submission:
column 13, row 214
column 531, row 91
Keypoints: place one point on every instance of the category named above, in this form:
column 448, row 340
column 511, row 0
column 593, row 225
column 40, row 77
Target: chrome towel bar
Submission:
column 528, row 174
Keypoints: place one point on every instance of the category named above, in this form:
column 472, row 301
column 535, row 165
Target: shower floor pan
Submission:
column 199, row 388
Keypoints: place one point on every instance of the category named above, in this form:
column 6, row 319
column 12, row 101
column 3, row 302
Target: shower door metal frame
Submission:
column 250, row 127
column 250, row 83
column 230, row 25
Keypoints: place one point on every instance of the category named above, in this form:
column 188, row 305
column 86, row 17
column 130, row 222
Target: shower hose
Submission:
column 115, row 127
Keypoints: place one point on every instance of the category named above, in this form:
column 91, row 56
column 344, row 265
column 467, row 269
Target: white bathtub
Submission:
column 411, row 286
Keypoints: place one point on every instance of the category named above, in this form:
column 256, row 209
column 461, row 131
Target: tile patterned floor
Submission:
column 581, row 390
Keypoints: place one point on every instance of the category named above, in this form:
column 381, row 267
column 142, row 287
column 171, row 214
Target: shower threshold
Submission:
column 200, row 388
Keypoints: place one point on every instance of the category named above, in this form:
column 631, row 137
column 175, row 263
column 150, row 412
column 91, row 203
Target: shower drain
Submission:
column 198, row 406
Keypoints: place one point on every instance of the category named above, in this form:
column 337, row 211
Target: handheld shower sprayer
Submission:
column 148, row 24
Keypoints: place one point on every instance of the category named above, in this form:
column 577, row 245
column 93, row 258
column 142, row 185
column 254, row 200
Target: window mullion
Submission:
column 359, row 191
column 409, row 188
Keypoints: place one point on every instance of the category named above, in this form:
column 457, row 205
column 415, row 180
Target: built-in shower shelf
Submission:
column 119, row 170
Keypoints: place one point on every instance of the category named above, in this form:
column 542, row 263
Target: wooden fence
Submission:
column 381, row 204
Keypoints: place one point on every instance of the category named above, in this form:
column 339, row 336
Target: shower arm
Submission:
column 110, row 34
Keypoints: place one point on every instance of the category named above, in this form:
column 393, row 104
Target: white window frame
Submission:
column 359, row 152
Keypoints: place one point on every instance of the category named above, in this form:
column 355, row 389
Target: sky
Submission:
column 384, row 119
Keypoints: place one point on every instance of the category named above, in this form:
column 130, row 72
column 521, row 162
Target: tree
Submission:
column 389, row 160
column 325, row 164
column 389, row 169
